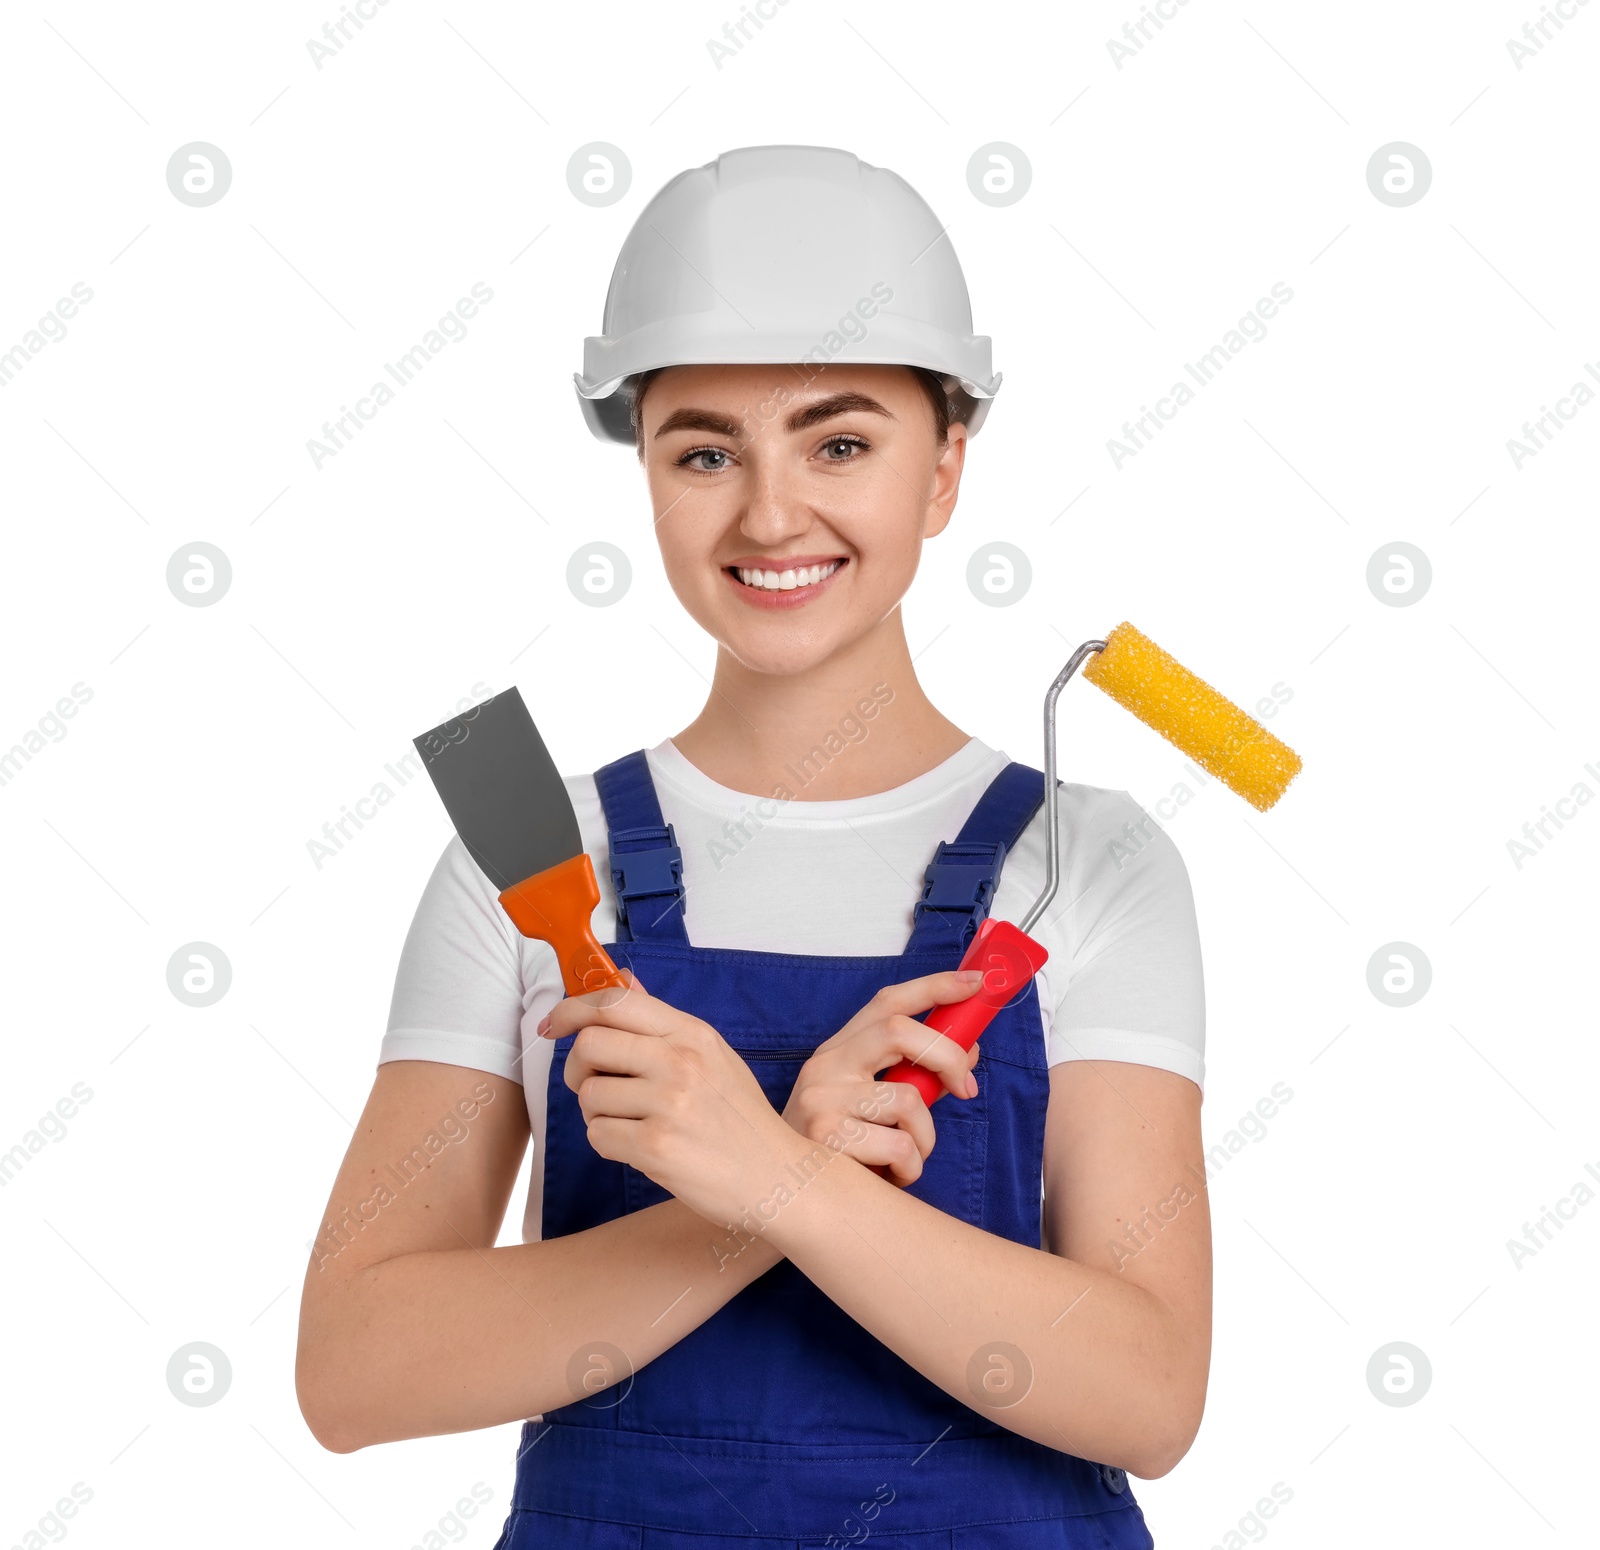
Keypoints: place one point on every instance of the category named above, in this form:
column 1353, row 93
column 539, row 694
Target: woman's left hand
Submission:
column 665, row 1093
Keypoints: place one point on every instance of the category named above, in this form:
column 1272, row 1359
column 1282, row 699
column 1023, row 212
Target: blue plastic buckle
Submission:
column 653, row 870
column 960, row 880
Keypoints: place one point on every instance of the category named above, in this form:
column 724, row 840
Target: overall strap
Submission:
column 646, row 864
column 959, row 883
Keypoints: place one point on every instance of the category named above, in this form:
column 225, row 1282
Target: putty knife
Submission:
column 508, row 803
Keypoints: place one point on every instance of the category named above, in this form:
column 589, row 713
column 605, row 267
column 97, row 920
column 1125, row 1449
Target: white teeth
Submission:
column 787, row 580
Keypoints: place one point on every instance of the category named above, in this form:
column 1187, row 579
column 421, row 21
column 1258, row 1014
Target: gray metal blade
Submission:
column 501, row 789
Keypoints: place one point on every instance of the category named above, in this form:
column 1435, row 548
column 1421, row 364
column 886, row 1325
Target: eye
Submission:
column 842, row 441
column 686, row 461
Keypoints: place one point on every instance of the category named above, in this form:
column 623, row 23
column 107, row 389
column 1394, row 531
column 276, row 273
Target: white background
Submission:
column 370, row 596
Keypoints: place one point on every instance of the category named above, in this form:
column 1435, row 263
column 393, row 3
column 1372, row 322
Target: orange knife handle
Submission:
column 554, row 906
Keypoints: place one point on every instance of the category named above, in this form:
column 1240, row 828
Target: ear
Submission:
column 946, row 481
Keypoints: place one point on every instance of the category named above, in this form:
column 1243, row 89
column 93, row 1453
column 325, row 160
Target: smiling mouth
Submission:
column 783, row 580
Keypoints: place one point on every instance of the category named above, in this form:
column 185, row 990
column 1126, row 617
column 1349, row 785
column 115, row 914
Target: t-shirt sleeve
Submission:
column 459, row 994
column 1134, row 986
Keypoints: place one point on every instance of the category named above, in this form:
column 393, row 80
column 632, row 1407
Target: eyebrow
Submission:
column 802, row 419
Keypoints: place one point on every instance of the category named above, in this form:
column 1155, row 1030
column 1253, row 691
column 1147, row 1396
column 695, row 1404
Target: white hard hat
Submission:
column 784, row 253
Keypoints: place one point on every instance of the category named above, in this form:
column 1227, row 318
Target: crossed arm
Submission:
column 413, row 1323
column 1097, row 1345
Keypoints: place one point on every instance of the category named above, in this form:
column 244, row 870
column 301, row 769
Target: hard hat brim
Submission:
column 607, row 406
column 608, row 362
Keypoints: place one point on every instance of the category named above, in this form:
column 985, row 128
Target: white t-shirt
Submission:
column 1123, row 981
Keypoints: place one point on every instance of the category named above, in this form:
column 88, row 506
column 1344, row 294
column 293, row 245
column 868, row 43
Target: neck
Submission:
column 808, row 733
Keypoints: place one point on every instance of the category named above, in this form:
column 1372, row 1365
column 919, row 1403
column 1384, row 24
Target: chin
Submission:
column 779, row 659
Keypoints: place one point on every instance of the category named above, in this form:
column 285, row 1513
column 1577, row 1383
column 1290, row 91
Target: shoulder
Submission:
column 1124, row 979
column 459, row 897
column 1108, row 845
column 1114, row 837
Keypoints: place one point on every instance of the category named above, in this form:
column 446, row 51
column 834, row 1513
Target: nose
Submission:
column 775, row 508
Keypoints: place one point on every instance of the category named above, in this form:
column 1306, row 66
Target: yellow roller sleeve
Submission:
column 1193, row 717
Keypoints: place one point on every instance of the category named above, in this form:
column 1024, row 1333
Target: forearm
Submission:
column 1077, row 1358
column 452, row 1340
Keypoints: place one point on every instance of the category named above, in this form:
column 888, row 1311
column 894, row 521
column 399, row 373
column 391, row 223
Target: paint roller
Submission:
column 1222, row 739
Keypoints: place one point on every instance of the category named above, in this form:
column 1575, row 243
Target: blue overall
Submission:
column 780, row 1422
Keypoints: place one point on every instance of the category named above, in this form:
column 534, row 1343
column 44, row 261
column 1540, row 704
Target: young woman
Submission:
column 763, row 1296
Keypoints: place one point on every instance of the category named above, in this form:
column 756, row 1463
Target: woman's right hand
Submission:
column 884, row 1125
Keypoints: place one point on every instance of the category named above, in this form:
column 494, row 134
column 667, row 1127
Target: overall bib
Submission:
column 780, row 1423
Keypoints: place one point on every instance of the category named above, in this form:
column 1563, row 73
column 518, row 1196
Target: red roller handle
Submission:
column 1009, row 959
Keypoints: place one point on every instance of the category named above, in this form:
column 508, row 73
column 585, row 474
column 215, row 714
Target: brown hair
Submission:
column 931, row 383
